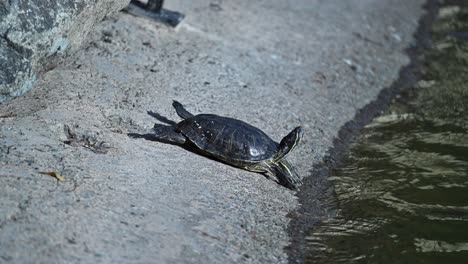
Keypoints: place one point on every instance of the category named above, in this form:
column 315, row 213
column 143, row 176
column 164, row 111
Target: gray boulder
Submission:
column 36, row 35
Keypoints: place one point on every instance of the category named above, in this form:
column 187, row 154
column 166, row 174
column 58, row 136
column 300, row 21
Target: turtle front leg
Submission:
column 283, row 171
column 287, row 175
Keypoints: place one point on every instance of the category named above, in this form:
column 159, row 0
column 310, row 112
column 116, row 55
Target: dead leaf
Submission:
column 53, row 174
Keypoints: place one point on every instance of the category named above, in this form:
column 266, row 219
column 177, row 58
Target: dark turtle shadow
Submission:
column 149, row 136
column 189, row 146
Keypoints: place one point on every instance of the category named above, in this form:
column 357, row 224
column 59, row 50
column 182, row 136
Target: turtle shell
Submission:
column 227, row 138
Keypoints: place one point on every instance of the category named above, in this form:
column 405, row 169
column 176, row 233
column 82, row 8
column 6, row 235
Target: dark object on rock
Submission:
column 153, row 10
column 231, row 141
column 35, row 36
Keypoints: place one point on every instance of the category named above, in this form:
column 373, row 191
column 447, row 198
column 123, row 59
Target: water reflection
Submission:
column 402, row 193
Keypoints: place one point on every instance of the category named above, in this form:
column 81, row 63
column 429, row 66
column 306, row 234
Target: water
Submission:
column 402, row 193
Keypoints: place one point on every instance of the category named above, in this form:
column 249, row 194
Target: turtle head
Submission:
column 288, row 143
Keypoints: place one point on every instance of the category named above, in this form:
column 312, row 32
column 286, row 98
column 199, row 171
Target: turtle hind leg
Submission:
column 161, row 118
column 167, row 134
column 181, row 110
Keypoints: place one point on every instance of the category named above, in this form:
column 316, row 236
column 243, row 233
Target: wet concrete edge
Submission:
column 316, row 194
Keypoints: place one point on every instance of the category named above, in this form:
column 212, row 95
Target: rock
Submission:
column 35, row 36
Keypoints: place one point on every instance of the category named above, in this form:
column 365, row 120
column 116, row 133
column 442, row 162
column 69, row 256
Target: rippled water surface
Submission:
column 402, row 193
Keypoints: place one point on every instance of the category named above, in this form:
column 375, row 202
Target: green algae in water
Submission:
column 403, row 189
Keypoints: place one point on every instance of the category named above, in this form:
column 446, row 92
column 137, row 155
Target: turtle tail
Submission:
column 181, row 110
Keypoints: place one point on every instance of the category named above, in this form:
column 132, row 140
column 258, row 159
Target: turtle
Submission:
column 233, row 142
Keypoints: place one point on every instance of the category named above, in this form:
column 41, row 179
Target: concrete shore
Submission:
column 274, row 64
